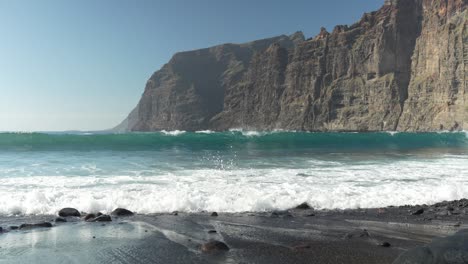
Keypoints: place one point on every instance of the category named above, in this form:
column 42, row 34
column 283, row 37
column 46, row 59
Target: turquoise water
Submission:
column 230, row 171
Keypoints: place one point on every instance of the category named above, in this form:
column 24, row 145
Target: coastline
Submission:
column 299, row 235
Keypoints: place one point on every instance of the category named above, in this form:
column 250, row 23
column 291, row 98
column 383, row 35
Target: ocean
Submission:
column 234, row 171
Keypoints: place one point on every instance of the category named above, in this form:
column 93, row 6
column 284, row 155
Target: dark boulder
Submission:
column 89, row 216
column 101, row 218
column 99, row 214
column 303, row 206
column 1, row 229
column 32, row 226
column 122, row 212
column 358, row 233
column 384, row 244
column 14, row 227
column 212, row 231
column 214, row 214
column 452, row 249
column 60, row 219
column 302, row 247
column 284, row 213
column 65, row 212
column 214, row 246
column 418, row 211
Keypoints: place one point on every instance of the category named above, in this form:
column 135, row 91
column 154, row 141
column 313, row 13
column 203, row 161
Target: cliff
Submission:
column 402, row 68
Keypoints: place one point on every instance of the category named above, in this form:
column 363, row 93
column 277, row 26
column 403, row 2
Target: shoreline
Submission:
column 299, row 235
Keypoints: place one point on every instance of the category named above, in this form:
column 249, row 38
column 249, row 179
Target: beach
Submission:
column 299, row 235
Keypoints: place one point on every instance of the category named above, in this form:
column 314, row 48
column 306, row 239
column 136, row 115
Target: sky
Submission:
column 83, row 65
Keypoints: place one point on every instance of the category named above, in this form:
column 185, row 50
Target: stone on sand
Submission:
column 102, row 218
column 65, row 212
column 37, row 225
column 89, row 216
column 214, row 246
column 452, row 249
column 303, row 206
column 122, row 212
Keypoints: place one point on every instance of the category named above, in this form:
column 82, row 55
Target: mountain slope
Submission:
column 402, row 67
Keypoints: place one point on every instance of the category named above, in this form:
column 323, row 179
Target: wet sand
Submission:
column 293, row 236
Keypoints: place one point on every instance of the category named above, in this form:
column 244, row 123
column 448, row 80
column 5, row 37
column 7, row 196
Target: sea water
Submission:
column 232, row 171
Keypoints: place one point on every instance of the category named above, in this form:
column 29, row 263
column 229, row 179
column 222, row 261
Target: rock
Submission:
column 398, row 68
column 418, row 211
column 451, row 249
column 14, row 227
column 443, row 213
column 89, row 216
column 60, row 219
column 214, row 246
column 32, row 226
column 1, row 229
column 381, row 211
column 303, row 206
column 384, row 244
column 211, row 231
column 175, row 213
column 99, row 214
column 358, row 233
column 214, row 214
column 284, row 213
column 101, row 218
column 122, row 212
column 301, row 247
column 65, row 212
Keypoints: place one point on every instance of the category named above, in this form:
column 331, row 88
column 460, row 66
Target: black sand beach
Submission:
column 292, row 236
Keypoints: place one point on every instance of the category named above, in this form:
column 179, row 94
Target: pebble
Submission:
column 214, row 246
column 384, row 244
column 418, row 212
column 89, row 216
column 60, row 219
column 66, row 212
column 102, row 218
column 122, row 212
column 303, row 206
column 38, row 225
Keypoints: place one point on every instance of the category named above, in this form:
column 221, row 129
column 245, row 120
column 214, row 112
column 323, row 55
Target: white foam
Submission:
column 322, row 185
column 205, row 132
column 249, row 133
column 392, row 133
column 173, row 133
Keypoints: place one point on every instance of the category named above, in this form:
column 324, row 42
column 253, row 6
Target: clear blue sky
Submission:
column 82, row 65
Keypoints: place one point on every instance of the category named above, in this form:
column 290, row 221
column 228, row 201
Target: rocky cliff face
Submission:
column 402, row 67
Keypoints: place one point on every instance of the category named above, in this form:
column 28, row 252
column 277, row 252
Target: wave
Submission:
column 237, row 138
column 205, row 132
column 240, row 190
column 173, row 133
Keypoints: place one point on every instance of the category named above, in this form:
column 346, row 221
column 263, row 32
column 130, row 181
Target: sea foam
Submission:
column 322, row 185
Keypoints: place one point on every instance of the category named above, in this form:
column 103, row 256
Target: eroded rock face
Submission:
column 438, row 91
column 402, row 67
